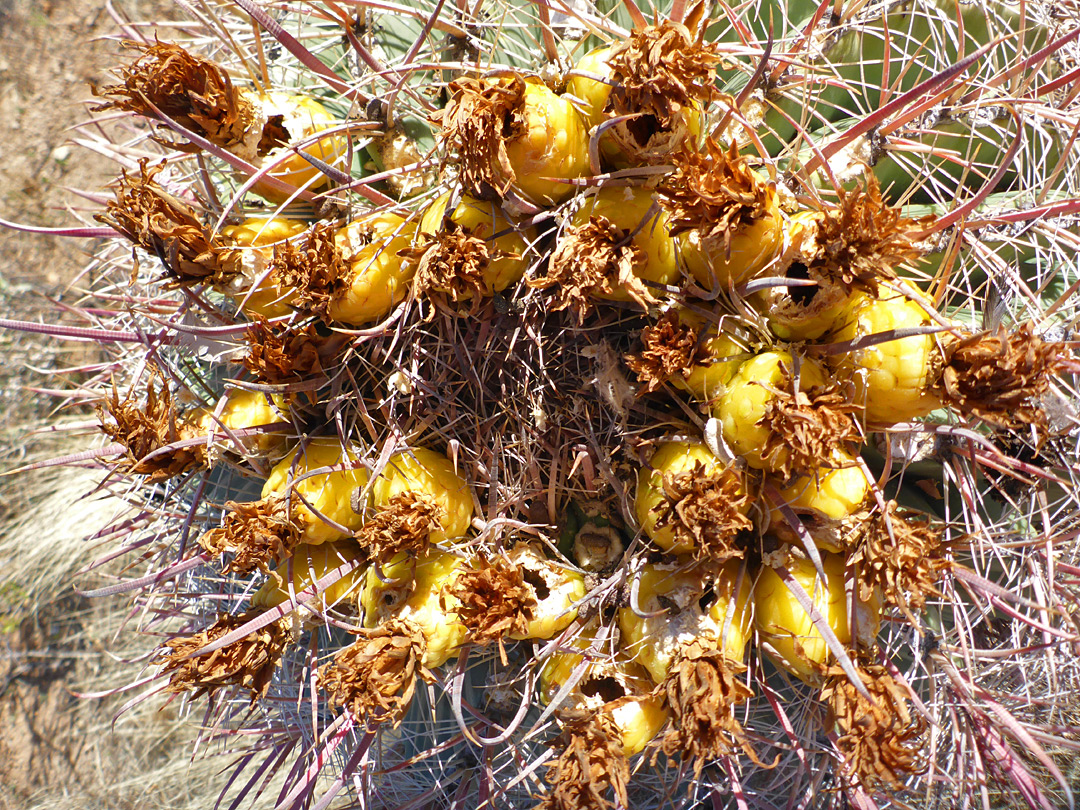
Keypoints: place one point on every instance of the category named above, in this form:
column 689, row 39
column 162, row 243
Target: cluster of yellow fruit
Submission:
column 771, row 334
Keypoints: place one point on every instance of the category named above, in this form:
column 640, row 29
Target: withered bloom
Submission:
column 195, row 93
column 404, row 524
column 881, row 741
column 151, row 218
column 590, row 763
column 1000, row 376
column 705, row 511
column 452, row 262
column 670, row 348
column 316, row 271
column 374, row 678
column 703, row 690
column 248, row 662
column 805, row 427
column 279, row 354
column 494, row 601
column 590, row 260
column 146, row 429
column 257, row 533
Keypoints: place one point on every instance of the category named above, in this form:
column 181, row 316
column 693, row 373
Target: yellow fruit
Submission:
column 796, row 644
column 428, row 473
column 747, row 398
column 553, row 143
column 894, row 379
column 244, row 409
column 557, row 590
column 509, row 247
column 308, row 565
column 610, row 684
column 417, row 589
column 676, row 594
column 260, row 294
column 331, row 493
column 670, row 459
column 720, row 358
column 379, row 278
column 837, row 489
column 593, row 93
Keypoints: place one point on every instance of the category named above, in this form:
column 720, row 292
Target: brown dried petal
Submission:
column 881, row 741
column 481, row 116
column 807, row 426
column 279, row 354
column 195, row 93
column 151, row 218
column 495, row 600
column 452, row 262
column 248, row 662
column 257, row 533
column 374, row 678
column 670, row 348
column 590, row 764
column 404, row 524
column 1000, row 376
column 705, row 511
column 316, row 272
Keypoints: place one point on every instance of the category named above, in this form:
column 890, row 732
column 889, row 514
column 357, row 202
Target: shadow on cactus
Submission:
column 602, row 406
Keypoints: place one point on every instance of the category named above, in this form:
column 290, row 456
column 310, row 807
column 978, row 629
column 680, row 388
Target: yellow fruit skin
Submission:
column 303, row 118
column 379, row 279
column 892, row 379
column 752, row 248
column 592, row 93
column 426, row 472
column 554, row 144
column 565, row 588
column 244, row 409
column 330, row 493
column 307, row 565
column 746, row 399
column 262, row 296
column 639, row 716
column 483, row 220
column 706, row 382
column 670, row 458
column 835, row 491
column 657, row 642
column 627, row 208
column 416, row 590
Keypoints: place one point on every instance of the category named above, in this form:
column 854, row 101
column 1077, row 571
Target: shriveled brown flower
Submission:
column 257, row 533
column 705, row 511
column 899, row 553
column 590, row 764
column 1000, row 376
column 374, row 678
column 703, row 690
column 248, row 662
column 714, row 192
column 670, row 348
column 147, row 431
column 481, row 116
column 451, row 262
column 805, row 427
column 194, row 92
column 494, row 600
column 881, row 741
column 590, row 259
column 404, row 524
column 284, row 353
column 316, row 271
column 660, row 72
column 153, row 219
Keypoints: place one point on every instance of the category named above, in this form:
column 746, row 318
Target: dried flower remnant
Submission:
column 589, row 765
column 257, row 533
column 317, row 271
column 670, row 348
column 705, row 511
column 194, row 92
column 805, row 427
column 148, row 431
column 452, row 262
column 881, row 741
column 279, row 354
column 494, row 601
column 1000, row 376
column 374, row 678
column 405, row 523
column 248, row 662
column 151, row 218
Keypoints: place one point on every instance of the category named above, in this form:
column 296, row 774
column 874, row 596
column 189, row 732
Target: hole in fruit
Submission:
column 802, row 296
column 274, row 134
column 538, row 584
column 643, row 128
column 607, row 689
column 707, row 600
